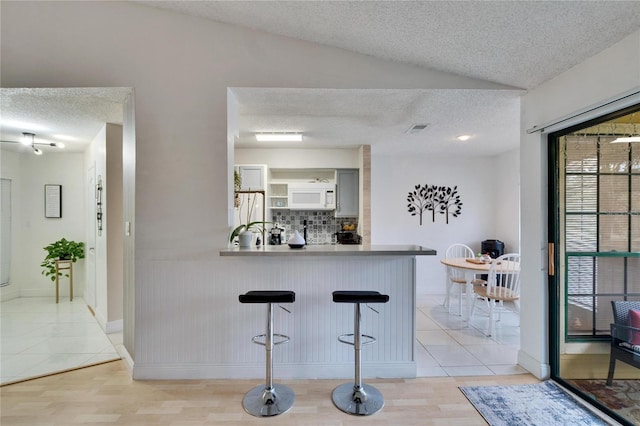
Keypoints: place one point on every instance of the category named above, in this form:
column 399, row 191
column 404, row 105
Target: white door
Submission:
column 90, row 247
column 5, row 231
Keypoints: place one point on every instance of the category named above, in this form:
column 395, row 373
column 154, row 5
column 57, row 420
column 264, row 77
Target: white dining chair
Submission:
column 455, row 277
column 502, row 285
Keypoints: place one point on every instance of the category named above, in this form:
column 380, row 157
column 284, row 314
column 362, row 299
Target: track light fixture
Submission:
column 29, row 139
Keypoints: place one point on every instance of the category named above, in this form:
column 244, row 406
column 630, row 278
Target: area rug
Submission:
column 622, row 397
column 540, row 404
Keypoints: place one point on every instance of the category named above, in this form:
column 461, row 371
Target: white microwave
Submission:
column 312, row 196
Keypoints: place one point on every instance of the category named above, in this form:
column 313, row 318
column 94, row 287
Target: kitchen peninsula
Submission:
column 314, row 323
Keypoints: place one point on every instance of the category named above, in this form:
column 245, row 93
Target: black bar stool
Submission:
column 358, row 398
column 269, row 399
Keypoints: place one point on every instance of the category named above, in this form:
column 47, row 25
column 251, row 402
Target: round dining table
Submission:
column 471, row 267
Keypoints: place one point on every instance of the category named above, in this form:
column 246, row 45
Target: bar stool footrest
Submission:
column 369, row 339
column 257, row 341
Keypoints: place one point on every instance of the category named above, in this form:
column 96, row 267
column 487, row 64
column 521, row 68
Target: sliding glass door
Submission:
column 594, row 222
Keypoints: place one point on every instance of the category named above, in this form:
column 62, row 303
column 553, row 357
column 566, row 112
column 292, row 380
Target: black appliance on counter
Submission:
column 348, row 237
column 276, row 236
column 495, row 248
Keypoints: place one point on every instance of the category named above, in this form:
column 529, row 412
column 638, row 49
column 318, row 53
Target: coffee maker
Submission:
column 276, row 235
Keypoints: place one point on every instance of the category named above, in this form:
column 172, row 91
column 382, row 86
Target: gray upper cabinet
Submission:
column 347, row 193
column 253, row 177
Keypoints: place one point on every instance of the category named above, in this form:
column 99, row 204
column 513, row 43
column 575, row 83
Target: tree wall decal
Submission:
column 421, row 199
column 441, row 199
column 448, row 202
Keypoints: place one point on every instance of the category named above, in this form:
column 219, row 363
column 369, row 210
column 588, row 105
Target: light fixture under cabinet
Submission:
column 279, row 137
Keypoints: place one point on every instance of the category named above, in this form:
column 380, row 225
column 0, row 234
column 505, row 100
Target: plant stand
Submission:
column 62, row 265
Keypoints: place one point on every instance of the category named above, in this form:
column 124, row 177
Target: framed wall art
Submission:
column 53, row 201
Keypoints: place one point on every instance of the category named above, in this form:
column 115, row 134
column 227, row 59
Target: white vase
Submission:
column 245, row 238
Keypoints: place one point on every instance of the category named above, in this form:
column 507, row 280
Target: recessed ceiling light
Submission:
column 463, row 137
column 279, row 137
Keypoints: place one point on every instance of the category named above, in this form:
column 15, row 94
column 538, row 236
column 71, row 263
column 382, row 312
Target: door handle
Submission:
column 552, row 269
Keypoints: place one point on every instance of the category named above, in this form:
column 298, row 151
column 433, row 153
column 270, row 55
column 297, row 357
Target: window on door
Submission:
column 600, row 182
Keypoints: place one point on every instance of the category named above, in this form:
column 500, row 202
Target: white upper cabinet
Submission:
column 253, row 176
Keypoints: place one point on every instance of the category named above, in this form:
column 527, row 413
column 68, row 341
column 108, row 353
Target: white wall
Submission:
column 114, row 227
column 393, row 178
column 505, row 180
column 180, row 68
column 611, row 72
column 32, row 231
column 10, row 169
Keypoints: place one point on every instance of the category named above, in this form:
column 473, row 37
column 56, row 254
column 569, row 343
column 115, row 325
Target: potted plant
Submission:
column 62, row 249
column 244, row 231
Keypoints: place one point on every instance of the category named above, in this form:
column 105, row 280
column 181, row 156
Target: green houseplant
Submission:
column 249, row 226
column 62, row 249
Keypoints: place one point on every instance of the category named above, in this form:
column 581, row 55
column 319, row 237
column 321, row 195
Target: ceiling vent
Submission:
column 416, row 128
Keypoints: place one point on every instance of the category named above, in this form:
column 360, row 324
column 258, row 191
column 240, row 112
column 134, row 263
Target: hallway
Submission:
column 39, row 337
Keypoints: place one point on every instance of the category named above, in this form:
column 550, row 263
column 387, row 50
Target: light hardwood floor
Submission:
column 105, row 394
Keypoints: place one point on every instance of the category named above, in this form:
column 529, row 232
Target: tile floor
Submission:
column 448, row 347
column 39, row 337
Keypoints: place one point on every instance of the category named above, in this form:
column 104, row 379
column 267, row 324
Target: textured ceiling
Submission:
column 381, row 118
column 72, row 116
column 517, row 43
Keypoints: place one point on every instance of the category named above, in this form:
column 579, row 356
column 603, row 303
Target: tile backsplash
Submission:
column 321, row 225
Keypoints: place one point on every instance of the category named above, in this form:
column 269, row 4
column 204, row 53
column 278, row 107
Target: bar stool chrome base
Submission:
column 356, row 397
column 263, row 402
column 362, row 401
column 268, row 399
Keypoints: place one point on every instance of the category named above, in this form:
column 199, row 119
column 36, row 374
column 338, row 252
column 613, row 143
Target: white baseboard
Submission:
column 126, row 358
column 281, row 371
column 109, row 327
column 116, row 326
column 51, row 292
column 9, row 293
column 541, row 370
column 102, row 321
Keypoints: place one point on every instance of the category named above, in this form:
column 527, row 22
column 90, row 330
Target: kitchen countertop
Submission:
column 332, row 250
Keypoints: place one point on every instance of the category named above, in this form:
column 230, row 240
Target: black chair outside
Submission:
column 358, row 398
column 621, row 348
column 269, row 400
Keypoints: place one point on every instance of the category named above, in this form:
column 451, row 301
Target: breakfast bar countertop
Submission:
column 332, row 250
